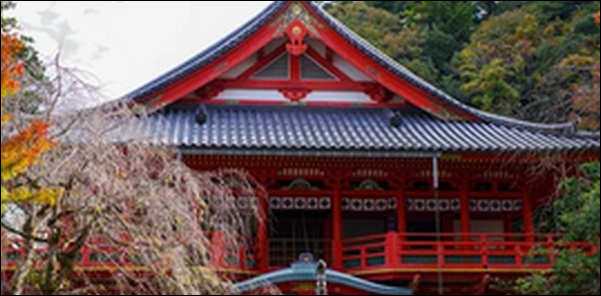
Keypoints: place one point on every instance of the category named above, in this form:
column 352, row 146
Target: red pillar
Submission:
column 218, row 244
column 528, row 216
column 401, row 210
column 466, row 223
column 337, row 228
column 263, row 234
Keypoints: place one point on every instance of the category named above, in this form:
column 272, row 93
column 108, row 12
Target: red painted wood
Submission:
column 216, row 68
column 297, row 32
column 263, row 235
column 295, row 68
column 528, row 216
column 262, row 63
column 401, row 211
column 295, row 95
column 337, row 226
column 373, row 70
column 466, row 224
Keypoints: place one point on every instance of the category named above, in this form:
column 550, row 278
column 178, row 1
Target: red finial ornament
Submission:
column 296, row 33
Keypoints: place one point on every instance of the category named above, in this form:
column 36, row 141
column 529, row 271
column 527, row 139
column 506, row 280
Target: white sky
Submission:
column 124, row 44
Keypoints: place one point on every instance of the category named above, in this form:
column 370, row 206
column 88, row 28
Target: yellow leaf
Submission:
column 5, row 195
column 5, row 118
column 5, row 198
column 47, row 197
column 19, row 195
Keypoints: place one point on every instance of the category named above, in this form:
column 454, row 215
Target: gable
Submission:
column 302, row 27
column 288, row 37
column 294, row 53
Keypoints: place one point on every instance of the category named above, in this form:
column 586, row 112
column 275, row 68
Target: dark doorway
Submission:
column 297, row 232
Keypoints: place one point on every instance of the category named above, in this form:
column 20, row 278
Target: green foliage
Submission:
column 575, row 272
column 525, row 59
column 396, row 7
column 489, row 88
column 7, row 22
column 580, row 206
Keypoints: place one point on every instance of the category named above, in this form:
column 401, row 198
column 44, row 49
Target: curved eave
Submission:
column 210, row 54
column 306, row 273
column 338, row 132
column 399, row 70
column 239, row 36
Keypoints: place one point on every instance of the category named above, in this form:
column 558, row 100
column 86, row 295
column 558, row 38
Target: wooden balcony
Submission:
column 455, row 252
column 365, row 256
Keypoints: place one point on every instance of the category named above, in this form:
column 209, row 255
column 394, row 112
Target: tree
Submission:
column 576, row 272
column 131, row 207
column 78, row 190
column 543, row 61
column 21, row 148
column 586, row 102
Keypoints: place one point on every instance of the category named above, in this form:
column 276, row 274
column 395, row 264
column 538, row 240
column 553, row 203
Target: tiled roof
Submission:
column 237, row 37
column 292, row 130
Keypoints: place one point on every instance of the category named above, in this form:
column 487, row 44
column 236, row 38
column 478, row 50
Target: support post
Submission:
column 337, row 229
column 528, row 217
column 263, row 227
column 263, row 234
column 466, row 224
column 401, row 211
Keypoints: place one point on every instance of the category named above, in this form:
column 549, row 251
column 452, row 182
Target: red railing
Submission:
column 97, row 253
column 513, row 252
column 456, row 251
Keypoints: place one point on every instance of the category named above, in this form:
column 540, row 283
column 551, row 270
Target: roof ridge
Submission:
column 570, row 127
column 238, row 36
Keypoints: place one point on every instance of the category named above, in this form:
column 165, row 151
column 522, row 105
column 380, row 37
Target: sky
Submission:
column 120, row 45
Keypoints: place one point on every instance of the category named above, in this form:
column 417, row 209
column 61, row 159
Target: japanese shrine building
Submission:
column 395, row 184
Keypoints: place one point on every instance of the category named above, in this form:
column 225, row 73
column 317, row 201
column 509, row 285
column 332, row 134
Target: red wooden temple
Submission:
column 399, row 187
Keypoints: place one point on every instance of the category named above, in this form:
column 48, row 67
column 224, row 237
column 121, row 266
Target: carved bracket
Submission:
column 211, row 90
column 295, row 95
column 378, row 93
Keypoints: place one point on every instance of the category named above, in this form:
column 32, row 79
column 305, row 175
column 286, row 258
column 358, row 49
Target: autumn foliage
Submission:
column 21, row 149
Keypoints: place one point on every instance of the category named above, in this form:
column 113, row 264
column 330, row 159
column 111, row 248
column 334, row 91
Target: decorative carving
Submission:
column 295, row 95
column 297, row 32
column 301, row 184
column 369, row 185
column 378, row 93
column 297, row 13
column 211, row 90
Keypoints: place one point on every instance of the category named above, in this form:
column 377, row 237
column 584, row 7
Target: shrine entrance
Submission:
column 293, row 233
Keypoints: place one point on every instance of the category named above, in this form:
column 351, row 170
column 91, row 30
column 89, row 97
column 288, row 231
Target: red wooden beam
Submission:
column 295, row 68
column 466, row 224
column 338, row 226
column 215, row 69
column 375, row 71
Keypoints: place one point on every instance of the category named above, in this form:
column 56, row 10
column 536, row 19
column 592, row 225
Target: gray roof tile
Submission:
column 312, row 130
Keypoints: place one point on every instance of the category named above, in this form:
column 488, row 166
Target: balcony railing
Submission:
column 225, row 254
column 511, row 252
column 456, row 251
